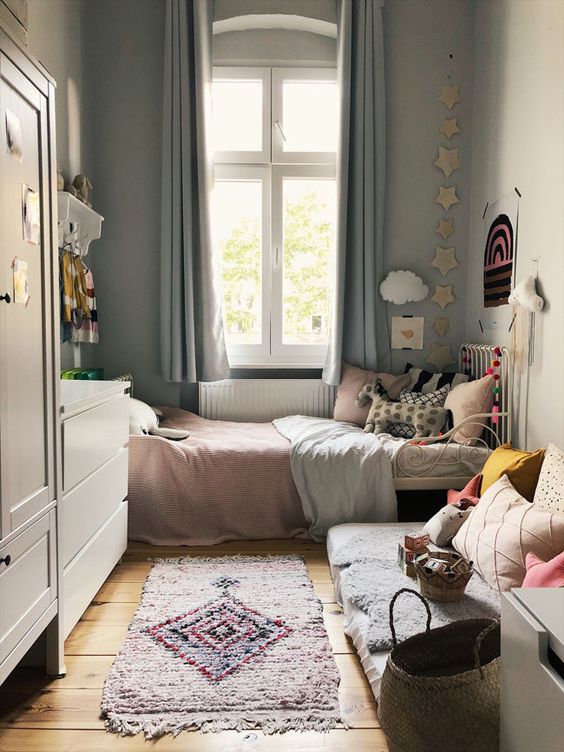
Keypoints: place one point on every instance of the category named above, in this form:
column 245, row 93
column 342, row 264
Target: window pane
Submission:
column 310, row 115
column 237, row 115
column 236, row 215
column 309, row 240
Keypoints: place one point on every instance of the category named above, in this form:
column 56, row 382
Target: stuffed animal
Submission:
column 427, row 420
column 144, row 420
column 80, row 188
column 525, row 295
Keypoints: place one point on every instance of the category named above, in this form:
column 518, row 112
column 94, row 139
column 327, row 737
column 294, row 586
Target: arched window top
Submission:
column 276, row 21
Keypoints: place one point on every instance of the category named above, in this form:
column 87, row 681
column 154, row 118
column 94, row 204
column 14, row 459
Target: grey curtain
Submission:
column 359, row 333
column 192, row 342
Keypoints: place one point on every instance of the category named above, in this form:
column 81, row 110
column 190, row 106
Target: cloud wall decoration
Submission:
column 401, row 287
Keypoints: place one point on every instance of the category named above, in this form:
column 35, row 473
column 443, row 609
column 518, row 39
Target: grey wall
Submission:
column 518, row 140
column 123, row 45
column 419, row 37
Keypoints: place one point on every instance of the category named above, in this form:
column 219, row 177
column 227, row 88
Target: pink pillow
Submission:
column 468, row 399
column 352, row 381
column 470, row 492
column 544, row 573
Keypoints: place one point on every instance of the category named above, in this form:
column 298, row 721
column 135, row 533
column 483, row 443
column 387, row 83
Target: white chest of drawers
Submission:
column 532, row 670
column 95, row 430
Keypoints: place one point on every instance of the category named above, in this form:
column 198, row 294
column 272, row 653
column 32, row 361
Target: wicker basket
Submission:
column 440, row 688
column 443, row 586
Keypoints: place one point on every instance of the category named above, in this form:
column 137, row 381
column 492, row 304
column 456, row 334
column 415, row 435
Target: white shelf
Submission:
column 76, row 394
column 77, row 222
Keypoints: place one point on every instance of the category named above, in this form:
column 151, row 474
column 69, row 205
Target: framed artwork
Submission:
column 407, row 332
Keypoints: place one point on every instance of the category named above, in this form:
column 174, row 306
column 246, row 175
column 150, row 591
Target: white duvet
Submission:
column 342, row 474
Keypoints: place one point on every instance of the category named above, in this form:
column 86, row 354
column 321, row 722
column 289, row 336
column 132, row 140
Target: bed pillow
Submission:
column 444, row 525
column 352, row 381
column 522, row 469
column 471, row 398
column 544, row 573
column 549, row 493
column 427, row 381
column 470, row 492
column 502, row 529
column 433, row 399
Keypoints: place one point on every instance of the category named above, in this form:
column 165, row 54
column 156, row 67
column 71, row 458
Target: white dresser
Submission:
column 532, row 670
column 95, row 430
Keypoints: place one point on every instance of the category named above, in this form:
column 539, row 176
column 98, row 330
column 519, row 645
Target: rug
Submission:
column 224, row 643
column 370, row 576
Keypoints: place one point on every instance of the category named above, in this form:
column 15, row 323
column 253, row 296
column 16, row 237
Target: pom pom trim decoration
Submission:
column 493, row 371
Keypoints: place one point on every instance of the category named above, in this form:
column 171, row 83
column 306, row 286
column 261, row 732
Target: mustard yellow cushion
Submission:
column 522, row 469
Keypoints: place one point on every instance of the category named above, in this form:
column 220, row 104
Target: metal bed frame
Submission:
column 409, row 472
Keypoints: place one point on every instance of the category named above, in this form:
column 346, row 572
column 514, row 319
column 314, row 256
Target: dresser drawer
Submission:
column 91, row 502
column 92, row 437
column 88, row 571
column 28, row 585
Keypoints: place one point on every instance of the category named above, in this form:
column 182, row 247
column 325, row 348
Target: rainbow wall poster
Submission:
column 500, row 226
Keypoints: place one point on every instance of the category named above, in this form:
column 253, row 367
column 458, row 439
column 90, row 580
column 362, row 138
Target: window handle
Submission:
column 277, row 124
column 276, row 257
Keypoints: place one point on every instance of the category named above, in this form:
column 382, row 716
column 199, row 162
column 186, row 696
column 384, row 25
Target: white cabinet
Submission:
column 95, row 429
column 532, row 670
column 29, row 350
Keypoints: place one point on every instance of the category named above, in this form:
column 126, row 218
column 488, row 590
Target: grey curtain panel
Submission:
column 359, row 333
column 192, row 342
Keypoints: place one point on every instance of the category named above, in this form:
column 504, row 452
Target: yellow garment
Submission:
column 522, row 469
column 74, row 299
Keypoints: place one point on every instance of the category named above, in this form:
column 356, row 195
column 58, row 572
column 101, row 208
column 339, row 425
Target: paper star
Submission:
column 447, row 197
column 449, row 128
column 445, row 260
column 440, row 356
column 443, row 296
column 448, row 161
column 450, row 95
column 441, row 326
column 445, row 228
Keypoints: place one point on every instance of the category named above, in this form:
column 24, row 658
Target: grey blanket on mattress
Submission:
column 370, row 576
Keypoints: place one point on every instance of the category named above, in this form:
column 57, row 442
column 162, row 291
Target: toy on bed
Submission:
column 427, row 420
column 144, row 420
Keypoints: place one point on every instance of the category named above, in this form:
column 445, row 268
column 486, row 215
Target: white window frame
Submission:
column 279, row 75
column 281, row 352
column 271, row 165
column 250, row 74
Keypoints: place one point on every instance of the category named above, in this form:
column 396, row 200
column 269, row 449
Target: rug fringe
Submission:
column 154, row 729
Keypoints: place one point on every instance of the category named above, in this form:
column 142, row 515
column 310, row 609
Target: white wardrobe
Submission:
column 29, row 389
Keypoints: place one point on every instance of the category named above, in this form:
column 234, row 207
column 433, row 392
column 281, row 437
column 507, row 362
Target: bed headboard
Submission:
column 475, row 359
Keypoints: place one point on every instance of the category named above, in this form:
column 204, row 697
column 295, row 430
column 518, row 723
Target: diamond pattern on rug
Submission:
column 219, row 637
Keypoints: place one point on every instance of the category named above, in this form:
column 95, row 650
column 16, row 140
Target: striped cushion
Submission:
column 427, row 381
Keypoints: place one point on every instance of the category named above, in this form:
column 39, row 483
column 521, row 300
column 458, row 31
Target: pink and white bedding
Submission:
column 227, row 481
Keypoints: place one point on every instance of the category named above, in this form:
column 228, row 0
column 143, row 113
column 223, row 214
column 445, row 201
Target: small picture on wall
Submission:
column 407, row 332
column 14, row 140
column 31, row 215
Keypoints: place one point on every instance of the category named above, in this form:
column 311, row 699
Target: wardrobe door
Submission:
column 26, row 355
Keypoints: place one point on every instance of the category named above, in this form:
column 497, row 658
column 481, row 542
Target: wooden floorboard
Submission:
column 38, row 714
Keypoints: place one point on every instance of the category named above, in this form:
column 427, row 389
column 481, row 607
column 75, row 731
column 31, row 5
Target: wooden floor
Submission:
column 41, row 715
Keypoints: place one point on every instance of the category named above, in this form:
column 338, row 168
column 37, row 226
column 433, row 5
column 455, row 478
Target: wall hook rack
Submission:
column 78, row 224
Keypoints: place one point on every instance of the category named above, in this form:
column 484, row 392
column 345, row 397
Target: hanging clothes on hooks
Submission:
column 74, row 293
column 87, row 331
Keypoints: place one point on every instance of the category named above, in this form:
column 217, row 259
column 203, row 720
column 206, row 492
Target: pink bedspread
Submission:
column 227, row 481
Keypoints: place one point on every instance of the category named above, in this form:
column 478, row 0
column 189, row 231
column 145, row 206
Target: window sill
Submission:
column 301, row 365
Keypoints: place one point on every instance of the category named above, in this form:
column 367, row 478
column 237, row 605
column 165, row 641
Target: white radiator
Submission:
column 262, row 400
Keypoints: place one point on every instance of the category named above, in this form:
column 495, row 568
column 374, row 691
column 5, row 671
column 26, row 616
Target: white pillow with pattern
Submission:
column 549, row 493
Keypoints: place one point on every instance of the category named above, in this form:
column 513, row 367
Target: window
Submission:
column 274, row 136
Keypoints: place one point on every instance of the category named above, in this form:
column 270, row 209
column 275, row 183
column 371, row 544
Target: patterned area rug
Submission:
column 224, row 643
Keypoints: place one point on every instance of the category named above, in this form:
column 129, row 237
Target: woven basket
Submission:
column 440, row 688
column 440, row 586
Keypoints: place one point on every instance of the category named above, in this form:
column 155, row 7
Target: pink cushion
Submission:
column 352, row 381
column 544, row 573
column 465, row 400
column 502, row 529
column 470, row 492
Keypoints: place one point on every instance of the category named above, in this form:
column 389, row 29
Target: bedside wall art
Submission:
column 407, row 332
column 401, row 286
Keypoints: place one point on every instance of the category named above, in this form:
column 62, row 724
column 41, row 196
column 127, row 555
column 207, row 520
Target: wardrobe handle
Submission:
column 8, row 299
column 6, row 560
